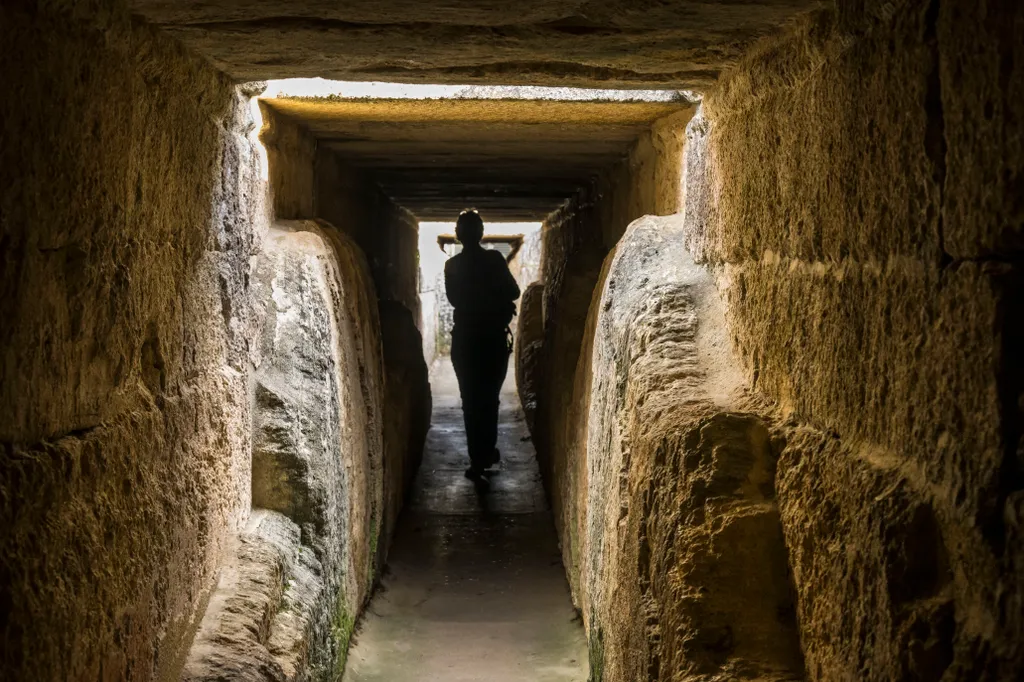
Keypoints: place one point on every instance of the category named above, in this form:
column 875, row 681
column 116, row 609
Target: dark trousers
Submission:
column 480, row 359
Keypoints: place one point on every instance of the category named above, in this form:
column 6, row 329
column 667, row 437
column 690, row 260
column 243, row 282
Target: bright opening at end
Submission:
column 330, row 89
column 435, row 312
column 432, row 257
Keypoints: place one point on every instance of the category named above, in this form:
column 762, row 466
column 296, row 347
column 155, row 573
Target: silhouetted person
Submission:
column 483, row 293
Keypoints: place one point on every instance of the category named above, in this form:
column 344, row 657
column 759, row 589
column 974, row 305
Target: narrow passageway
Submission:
column 474, row 588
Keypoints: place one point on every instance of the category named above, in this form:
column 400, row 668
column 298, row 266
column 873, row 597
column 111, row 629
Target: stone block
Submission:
column 678, row 496
column 407, row 410
column 128, row 231
column 981, row 67
column 528, row 344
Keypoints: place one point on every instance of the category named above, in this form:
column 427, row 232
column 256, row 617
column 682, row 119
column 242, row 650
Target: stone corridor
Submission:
column 769, row 354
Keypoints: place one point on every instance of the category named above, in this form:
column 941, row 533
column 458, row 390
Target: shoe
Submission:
column 495, row 458
column 474, row 473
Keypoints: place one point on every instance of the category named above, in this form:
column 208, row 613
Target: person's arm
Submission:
column 508, row 288
column 452, row 288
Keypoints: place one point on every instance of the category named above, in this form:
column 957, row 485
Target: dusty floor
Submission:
column 474, row 588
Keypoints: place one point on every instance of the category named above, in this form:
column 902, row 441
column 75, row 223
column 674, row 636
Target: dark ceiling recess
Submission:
column 512, row 159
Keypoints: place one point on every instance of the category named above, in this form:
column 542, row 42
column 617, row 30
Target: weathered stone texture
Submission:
column 131, row 231
column 529, row 259
column 576, row 239
column 676, row 500
column 407, row 411
column 571, row 265
column 878, row 573
column 291, row 164
column 309, row 180
column 981, row 68
column 318, row 469
column 563, row 42
column 388, row 234
column 131, row 205
column 259, row 621
column 313, row 180
column 528, row 346
column 843, row 189
column 512, row 158
column 835, row 106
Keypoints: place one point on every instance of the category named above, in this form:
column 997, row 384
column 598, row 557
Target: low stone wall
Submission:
column 407, row 410
column 576, row 239
column 316, row 180
column 528, row 346
column 305, row 562
column 669, row 482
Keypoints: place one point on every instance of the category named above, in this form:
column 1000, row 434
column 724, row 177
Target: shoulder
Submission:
column 495, row 256
column 453, row 262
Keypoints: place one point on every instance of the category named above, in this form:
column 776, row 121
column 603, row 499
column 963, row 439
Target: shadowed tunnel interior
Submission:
column 763, row 418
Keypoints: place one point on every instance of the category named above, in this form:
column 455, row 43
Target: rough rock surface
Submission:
column 529, row 342
column 407, row 410
column 676, row 500
column 291, row 165
column 529, row 259
column 576, row 239
column 126, row 235
column 310, row 181
column 260, row 623
column 317, row 470
column 536, row 42
column 853, row 183
column 351, row 200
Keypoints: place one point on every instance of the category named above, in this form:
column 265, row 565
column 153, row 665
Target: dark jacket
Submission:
column 481, row 289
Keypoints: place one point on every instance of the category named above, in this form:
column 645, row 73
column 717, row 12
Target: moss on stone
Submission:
column 595, row 642
column 374, row 542
column 341, row 633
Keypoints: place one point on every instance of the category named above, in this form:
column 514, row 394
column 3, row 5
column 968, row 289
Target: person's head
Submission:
column 469, row 228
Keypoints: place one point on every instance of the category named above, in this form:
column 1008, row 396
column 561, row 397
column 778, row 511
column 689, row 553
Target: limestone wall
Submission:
column 674, row 532
column 528, row 347
column 310, row 180
column 576, row 239
column 388, row 236
column 854, row 187
column 350, row 200
column 131, row 210
column 407, row 413
column 301, row 569
column 291, row 165
column 850, row 194
column 193, row 436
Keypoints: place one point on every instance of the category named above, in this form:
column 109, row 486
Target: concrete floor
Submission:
column 474, row 588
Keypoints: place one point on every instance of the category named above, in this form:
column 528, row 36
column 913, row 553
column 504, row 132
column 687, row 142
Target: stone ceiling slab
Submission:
column 614, row 43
